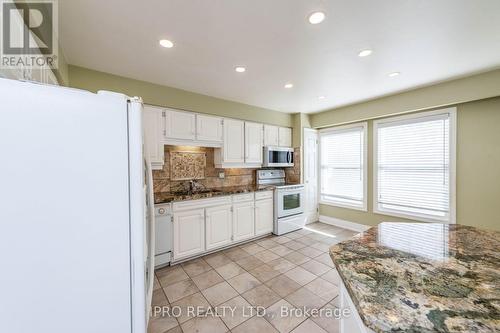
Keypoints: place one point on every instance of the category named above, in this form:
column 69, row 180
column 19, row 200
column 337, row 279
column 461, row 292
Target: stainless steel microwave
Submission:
column 278, row 157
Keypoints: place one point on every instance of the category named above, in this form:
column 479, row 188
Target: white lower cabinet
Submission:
column 243, row 220
column 208, row 224
column 218, row 226
column 189, row 233
column 264, row 219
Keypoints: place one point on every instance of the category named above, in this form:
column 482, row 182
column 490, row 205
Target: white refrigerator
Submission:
column 76, row 211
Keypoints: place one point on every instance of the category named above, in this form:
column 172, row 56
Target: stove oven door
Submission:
column 290, row 201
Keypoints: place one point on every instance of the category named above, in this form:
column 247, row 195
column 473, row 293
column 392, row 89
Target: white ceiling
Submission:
column 427, row 41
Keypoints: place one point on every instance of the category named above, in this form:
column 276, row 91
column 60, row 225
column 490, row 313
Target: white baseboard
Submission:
column 343, row 223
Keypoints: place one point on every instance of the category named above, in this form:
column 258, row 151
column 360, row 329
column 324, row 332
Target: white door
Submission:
column 271, row 135
column 179, row 125
column 234, row 141
column 311, row 174
column 253, row 143
column 243, row 220
column 218, row 224
column 264, row 216
column 189, row 233
column 152, row 126
column 284, row 137
column 208, row 128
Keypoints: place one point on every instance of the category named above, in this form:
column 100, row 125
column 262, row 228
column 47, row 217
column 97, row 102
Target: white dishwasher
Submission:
column 163, row 239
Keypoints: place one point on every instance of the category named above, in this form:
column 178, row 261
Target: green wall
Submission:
column 471, row 88
column 478, row 155
column 155, row 94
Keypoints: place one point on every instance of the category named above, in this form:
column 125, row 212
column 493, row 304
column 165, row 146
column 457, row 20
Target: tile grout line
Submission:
column 245, row 270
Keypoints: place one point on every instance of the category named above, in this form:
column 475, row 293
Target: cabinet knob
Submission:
column 161, row 210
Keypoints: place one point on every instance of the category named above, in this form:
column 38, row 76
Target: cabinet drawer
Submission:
column 201, row 203
column 243, row 197
column 263, row 195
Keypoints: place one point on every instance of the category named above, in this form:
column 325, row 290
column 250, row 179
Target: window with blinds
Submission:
column 413, row 165
column 343, row 166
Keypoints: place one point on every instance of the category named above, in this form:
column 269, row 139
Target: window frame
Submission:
column 410, row 118
column 364, row 206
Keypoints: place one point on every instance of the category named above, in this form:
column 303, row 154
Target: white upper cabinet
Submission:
column 188, row 128
column 285, row 137
column 152, row 127
column 277, row 136
column 218, row 224
column 271, row 135
column 233, row 150
column 208, row 128
column 179, row 125
column 253, row 143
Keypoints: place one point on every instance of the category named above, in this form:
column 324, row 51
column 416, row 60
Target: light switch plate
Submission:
column 222, row 175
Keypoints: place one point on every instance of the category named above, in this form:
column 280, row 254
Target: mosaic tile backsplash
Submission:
column 164, row 182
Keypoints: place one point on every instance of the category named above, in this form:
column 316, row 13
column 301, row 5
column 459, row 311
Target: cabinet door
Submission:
column 271, row 135
column 189, row 233
column 264, row 216
column 179, row 125
column 234, row 141
column 208, row 128
column 253, row 143
column 285, row 137
column 218, row 226
column 152, row 126
column 243, row 220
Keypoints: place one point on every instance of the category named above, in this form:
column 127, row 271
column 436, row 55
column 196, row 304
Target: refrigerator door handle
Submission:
column 151, row 245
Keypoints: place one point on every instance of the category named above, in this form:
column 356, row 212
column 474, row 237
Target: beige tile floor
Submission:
column 293, row 270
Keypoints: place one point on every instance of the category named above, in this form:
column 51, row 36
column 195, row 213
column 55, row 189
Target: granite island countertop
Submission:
column 165, row 197
column 423, row 277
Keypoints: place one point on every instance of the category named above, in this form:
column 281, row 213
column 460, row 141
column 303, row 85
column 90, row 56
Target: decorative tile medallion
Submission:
column 187, row 165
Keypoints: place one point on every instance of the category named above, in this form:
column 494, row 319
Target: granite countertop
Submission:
column 165, row 197
column 423, row 277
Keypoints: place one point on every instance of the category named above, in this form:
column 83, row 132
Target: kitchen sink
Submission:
column 196, row 192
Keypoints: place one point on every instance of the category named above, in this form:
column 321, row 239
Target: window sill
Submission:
column 343, row 205
column 414, row 217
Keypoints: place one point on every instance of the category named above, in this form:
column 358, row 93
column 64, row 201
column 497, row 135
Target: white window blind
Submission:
column 413, row 166
column 342, row 166
column 426, row 240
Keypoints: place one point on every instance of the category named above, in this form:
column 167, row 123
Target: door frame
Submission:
column 311, row 217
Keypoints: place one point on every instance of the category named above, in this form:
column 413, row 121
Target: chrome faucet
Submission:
column 193, row 185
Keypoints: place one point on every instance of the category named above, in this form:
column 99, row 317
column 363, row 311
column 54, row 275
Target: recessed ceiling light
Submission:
column 393, row 74
column 316, row 17
column 240, row 69
column 365, row 53
column 321, row 97
column 288, row 85
column 166, row 43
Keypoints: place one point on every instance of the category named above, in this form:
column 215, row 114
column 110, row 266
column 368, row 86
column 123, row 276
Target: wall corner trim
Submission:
column 343, row 223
